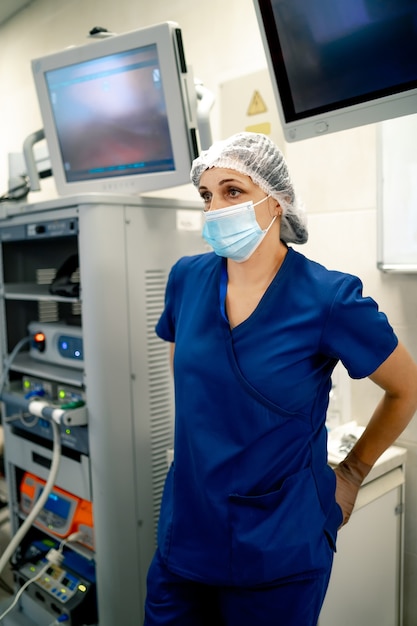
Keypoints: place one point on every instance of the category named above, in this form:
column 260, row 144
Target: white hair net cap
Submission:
column 257, row 156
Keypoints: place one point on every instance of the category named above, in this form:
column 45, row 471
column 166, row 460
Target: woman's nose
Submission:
column 215, row 203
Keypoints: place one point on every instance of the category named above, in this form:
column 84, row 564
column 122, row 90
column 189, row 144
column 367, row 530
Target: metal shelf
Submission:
column 27, row 365
column 32, row 291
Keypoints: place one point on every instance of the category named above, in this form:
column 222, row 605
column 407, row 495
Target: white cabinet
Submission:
column 366, row 583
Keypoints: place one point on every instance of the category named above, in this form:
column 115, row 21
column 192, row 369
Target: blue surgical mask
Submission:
column 234, row 232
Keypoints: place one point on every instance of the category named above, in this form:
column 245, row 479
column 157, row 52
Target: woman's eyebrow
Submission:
column 222, row 182
column 229, row 180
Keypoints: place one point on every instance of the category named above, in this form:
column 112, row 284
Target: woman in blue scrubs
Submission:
column 251, row 509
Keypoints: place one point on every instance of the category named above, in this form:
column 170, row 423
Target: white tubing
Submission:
column 56, row 457
column 36, row 407
column 40, row 408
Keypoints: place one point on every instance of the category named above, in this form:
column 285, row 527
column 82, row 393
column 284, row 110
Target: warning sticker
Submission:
column 264, row 128
column 257, row 104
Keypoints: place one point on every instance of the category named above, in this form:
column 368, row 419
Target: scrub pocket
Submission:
column 278, row 534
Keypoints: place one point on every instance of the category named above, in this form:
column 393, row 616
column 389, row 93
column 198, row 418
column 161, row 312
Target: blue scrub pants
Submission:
column 175, row 601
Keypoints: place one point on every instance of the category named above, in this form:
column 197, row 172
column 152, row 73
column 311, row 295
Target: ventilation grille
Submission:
column 160, row 386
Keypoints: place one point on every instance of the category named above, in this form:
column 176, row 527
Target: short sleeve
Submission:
column 356, row 332
column 165, row 328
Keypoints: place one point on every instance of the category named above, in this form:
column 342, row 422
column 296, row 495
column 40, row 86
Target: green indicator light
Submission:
column 67, row 431
column 62, row 394
column 26, row 384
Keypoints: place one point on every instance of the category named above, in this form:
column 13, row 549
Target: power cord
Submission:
column 18, row 192
column 73, row 414
column 17, row 538
column 28, row 420
column 53, row 557
column 22, row 589
column 9, row 360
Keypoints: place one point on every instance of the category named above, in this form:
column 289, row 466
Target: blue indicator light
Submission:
column 70, row 347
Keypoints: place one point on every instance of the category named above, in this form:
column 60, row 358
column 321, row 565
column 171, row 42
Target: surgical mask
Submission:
column 234, row 232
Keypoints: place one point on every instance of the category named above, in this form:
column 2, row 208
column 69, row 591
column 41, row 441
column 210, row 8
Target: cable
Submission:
column 53, row 557
column 22, row 418
column 9, row 360
column 6, row 368
column 22, row 589
column 23, row 188
column 56, row 457
column 73, row 414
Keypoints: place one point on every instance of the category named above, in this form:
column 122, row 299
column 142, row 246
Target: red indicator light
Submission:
column 39, row 340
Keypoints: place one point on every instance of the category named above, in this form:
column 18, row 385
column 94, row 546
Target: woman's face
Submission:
column 220, row 188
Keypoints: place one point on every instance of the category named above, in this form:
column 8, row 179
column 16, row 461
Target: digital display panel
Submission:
column 110, row 116
column 336, row 51
column 336, row 65
column 57, row 505
column 119, row 113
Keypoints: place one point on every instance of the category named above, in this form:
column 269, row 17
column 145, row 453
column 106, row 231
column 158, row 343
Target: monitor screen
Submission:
column 337, row 64
column 118, row 113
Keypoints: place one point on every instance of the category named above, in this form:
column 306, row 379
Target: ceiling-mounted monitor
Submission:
column 119, row 113
column 337, row 64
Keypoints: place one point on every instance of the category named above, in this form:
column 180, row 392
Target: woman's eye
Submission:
column 234, row 193
column 206, row 197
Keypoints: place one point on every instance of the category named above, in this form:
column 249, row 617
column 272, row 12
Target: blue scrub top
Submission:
column 249, row 498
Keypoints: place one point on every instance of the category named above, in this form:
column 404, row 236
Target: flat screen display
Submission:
column 329, row 58
column 120, row 113
column 110, row 115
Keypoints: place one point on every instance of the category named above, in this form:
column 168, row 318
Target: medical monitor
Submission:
column 337, row 64
column 119, row 113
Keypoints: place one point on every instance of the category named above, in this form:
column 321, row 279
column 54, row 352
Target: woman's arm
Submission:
column 171, row 355
column 397, row 376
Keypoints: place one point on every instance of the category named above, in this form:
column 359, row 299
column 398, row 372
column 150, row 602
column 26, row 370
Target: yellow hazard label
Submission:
column 264, row 128
column 257, row 104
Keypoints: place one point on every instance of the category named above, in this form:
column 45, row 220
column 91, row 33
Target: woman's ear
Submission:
column 278, row 209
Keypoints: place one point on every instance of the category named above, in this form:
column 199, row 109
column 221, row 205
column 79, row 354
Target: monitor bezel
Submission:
column 180, row 101
column 338, row 116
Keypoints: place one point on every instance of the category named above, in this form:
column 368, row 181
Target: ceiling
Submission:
column 9, row 7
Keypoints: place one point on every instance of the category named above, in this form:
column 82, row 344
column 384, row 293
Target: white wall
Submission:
column 336, row 175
